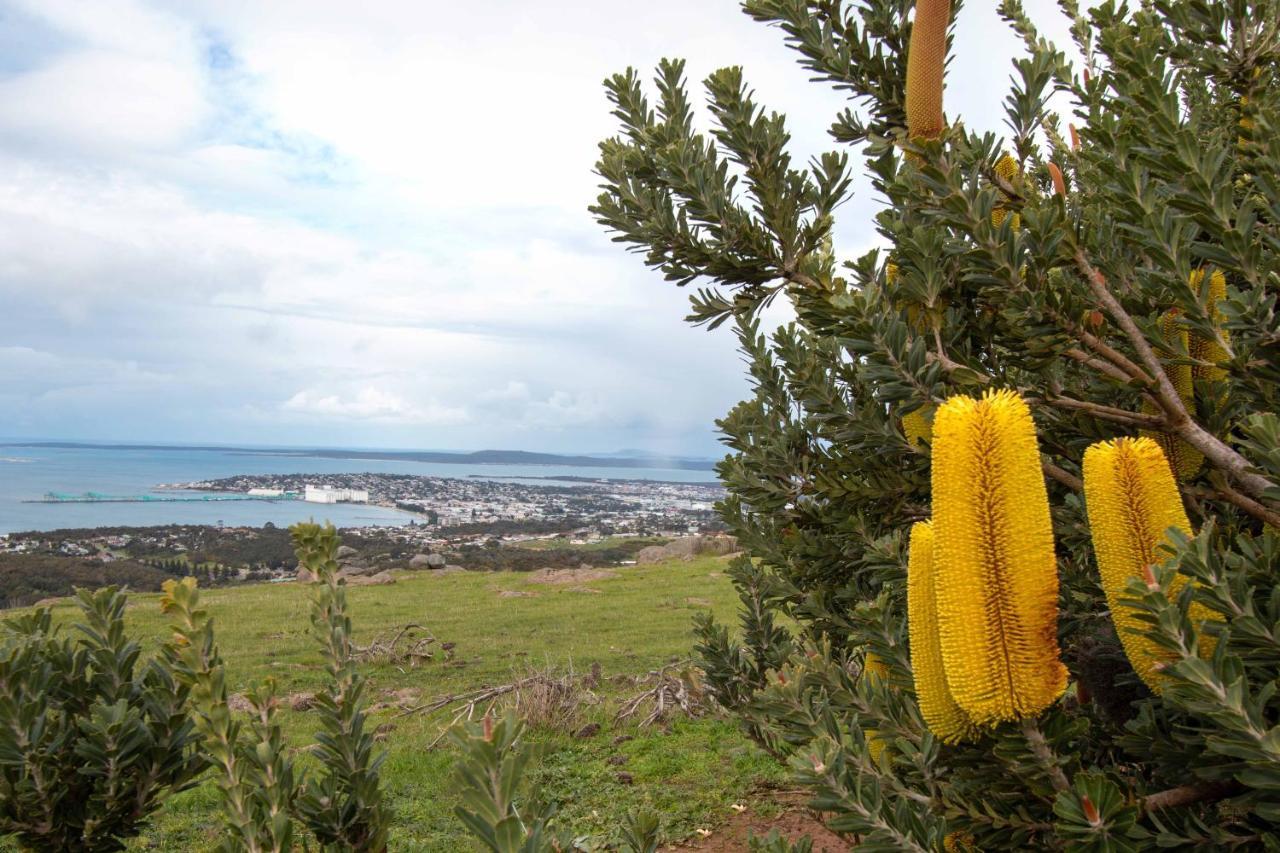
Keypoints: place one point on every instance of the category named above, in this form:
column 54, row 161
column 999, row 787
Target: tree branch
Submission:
column 1044, row 754
column 1185, row 795
column 1066, row 478
column 1107, row 413
column 1177, row 419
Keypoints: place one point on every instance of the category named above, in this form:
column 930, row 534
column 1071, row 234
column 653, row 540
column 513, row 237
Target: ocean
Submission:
column 29, row 472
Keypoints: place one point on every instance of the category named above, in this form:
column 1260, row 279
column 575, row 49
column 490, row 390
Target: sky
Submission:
column 317, row 222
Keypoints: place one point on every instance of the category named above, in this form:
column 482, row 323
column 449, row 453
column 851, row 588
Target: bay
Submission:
column 28, row 472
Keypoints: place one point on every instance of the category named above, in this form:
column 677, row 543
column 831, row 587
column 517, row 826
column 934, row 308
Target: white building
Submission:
column 267, row 493
column 330, row 495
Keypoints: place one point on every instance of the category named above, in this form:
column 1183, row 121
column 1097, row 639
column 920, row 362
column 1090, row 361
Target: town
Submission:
column 618, row 506
column 466, row 519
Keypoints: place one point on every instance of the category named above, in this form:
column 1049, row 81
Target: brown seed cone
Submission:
column 926, row 64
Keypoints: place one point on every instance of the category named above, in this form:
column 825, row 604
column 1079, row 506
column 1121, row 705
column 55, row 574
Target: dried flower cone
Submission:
column 996, row 576
column 948, row 722
column 926, row 65
column 1184, row 459
column 1132, row 501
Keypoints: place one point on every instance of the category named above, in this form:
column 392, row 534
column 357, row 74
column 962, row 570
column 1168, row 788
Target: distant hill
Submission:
column 479, row 457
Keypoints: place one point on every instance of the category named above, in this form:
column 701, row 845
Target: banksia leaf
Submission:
column 1007, row 169
column 926, row 65
column 917, row 426
column 1207, row 349
column 996, row 576
column 948, row 722
column 1184, row 459
column 1132, row 501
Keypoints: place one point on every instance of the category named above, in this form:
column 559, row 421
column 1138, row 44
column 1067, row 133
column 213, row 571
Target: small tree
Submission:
column 92, row 740
column 262, row 794
column 1007, row 631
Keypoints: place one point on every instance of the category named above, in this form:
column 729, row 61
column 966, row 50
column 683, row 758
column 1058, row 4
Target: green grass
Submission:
column 692, row 771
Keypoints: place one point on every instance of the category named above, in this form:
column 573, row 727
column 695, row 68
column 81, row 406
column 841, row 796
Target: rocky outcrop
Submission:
column 379, row 579
column 427, row 561
column 687, row 548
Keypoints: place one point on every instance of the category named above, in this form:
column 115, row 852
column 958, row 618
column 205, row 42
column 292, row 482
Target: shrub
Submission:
column 92, row 740
column 1117, row 277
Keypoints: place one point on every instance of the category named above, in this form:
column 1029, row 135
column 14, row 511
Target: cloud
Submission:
column 371, row 404
column 290, row 222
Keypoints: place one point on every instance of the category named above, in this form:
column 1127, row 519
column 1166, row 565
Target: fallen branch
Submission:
column 386, row 648
column 667, row 690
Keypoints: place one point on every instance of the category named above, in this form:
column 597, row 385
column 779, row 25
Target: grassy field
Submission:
column 503, row 625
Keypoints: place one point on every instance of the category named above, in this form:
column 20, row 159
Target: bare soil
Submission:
column 795, row 822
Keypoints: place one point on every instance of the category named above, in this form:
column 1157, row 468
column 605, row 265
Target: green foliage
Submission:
column 493, row 764
column 343, row 807
column 92, row 740
column 261, row 795
column 1177, row 172
column 255, row 776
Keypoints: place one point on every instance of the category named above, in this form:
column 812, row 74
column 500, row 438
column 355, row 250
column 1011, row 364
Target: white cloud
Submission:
column 295, row 222
column 371, row 404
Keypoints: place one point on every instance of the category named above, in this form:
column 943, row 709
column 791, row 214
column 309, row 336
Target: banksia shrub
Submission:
column 1133, row 501
column 93, row 739
column 1092, row 310
column 342, row 804
column 942, row 713
column 995, row 573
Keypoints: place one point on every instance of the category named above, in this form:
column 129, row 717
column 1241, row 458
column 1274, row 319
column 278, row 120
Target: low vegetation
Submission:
column 584, row 651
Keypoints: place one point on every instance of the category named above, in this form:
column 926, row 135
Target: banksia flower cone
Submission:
column 995, row 576
column 875, row 671
column 1132, row 500
column 1007, row 169
column 926, row 64
column 948, row 722
column 917, row 426
column 1207, row 349
column 1184, row 459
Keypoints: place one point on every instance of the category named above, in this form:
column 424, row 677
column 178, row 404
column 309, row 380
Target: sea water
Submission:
column 28, row 472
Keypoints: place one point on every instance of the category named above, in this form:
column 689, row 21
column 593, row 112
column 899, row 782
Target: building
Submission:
column 267, row 493
column 330, row 495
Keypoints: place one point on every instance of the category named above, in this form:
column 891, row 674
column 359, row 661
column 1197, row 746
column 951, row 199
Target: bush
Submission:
column 91, row 740
column 1080, row 651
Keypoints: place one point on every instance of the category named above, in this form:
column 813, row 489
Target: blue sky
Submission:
column 318, row 222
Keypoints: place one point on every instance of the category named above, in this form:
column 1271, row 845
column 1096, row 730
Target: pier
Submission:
column 98, row 498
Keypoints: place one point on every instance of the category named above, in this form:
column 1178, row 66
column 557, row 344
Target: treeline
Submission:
column 28, row 578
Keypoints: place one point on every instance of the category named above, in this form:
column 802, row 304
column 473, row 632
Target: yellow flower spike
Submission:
column 1206, row 349
column 1184, row 459
column 1007, row 169
column 996, row 575
column 958, row 842
column 948, row 722
column 926, row 65
column 1132, row 501
column 875, row 671
column 917, row 426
